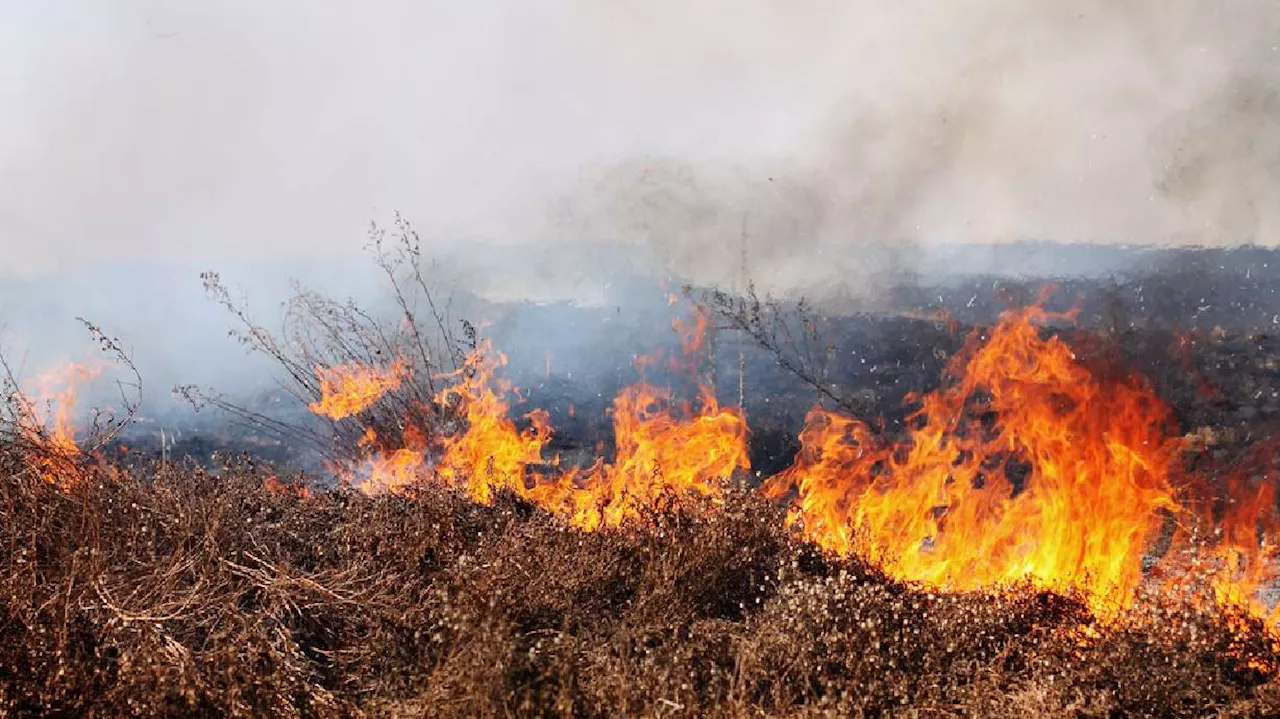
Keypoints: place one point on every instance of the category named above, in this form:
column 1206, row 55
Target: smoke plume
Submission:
column 546, row 147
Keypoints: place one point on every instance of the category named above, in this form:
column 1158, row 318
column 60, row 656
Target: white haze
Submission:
column 543, row 144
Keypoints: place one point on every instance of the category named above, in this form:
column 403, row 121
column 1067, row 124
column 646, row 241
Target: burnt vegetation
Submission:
column 232, row 587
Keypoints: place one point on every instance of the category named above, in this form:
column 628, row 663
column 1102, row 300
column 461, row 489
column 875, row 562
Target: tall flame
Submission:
column 48, row 422
column 1025, row 466
column 491, row 454
column 664, row 449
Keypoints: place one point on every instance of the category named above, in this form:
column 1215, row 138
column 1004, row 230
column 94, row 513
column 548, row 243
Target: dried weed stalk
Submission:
column 318, row 331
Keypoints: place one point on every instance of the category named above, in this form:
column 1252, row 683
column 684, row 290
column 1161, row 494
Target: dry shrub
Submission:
column 180, row 592
column 420, row 335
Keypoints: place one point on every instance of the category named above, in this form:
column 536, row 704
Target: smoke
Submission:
column 1139, row 123
column 547, row 147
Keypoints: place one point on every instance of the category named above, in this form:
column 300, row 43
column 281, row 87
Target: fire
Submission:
column 1240, row 553
column 664, row 449
column 394, row 470
column 349, row 389
column 274, row 485
column 491, row 454
column 1024, row 466
column 47, row 421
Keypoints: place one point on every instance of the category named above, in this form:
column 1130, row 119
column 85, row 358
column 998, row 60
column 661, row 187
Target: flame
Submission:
column 349, row 389
column 395, row 470
column 47, row 423
column 692, row 336
column 1024, row 467
column 491, row 454
column 1248, row 560
column 664, row 449
column 1240, row 555
column 274, row 485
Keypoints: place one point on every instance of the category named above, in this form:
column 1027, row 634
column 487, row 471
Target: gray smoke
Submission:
column 548, row 147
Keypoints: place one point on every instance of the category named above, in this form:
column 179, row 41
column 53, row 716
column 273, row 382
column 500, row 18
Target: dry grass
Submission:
column 182, row 593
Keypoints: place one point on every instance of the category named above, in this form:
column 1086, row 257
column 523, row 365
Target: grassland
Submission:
column 176, row 591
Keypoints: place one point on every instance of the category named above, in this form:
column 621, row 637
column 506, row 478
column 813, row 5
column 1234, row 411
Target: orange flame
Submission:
column 1241, row 553
column 1025, row 467
column 662, row 452
column 394, row 471
column 49, row 425
column 491, row 454
column 349, row 389
column 664, row 449
column 274, row 485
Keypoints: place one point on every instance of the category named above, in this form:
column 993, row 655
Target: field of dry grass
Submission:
column 159, row 587
column 171, row 591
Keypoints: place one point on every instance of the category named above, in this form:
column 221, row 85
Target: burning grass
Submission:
column 1027, row 464
column 178, row 592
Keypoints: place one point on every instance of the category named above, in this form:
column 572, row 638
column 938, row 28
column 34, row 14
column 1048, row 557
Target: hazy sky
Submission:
column 202, row 131
column 532, row 141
